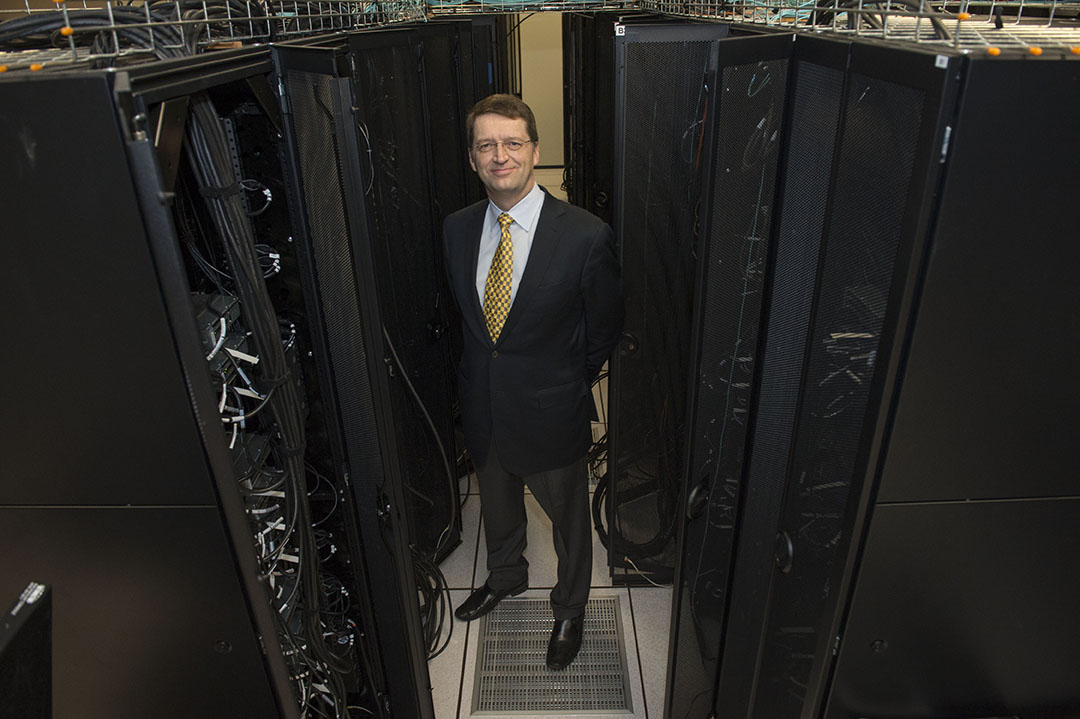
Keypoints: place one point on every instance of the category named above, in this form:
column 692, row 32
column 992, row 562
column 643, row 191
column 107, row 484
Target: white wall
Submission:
column 542, row 80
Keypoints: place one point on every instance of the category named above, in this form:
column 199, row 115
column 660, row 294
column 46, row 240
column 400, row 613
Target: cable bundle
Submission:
column 121, row 27
column 431, row 585
column 314, row 650
column 43, row 30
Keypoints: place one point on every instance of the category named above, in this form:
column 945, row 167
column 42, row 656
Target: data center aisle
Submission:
column 645, row 613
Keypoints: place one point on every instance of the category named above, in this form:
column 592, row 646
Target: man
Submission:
column 537, row 283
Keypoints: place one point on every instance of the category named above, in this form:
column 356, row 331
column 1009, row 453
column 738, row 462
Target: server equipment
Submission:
column 746, row 110
column 232, row 193
column 120, row 488
column 864, row 528
column 664, row 77
column 355, row 361
column 414, row 87
column 26, row 653
column 589, row 105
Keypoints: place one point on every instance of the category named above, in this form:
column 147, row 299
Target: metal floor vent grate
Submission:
column 511, row 676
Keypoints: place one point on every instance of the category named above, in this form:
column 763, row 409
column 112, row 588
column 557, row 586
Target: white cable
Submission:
column 642, row 574
column 220, row 340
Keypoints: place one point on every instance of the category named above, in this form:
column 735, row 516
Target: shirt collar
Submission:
column 525, row 212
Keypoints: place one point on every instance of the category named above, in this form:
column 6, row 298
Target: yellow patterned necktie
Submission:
column 497, row 286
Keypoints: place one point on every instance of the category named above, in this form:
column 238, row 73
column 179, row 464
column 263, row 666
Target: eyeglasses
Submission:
column 486, row 148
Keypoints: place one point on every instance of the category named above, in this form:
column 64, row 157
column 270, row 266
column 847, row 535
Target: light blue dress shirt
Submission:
column 526, row 213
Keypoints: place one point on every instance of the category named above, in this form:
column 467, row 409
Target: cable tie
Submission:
column 248, row 393
column 219, row 341
column 216, row 193
column 288, row 452
column 237, row 354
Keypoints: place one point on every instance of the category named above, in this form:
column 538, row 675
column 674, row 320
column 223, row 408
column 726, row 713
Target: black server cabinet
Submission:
column 589, row 100
column 743, row 157
column 136, row 517
column 328, row 176
column 664, row 78
column 457, row 64
column 886, row 534
column 963, row 593
column 391, row 100
column 482, row 63
column 414, row 88
column 860, row 143
column 754, row 489
column 117, row 485
column 894, row 109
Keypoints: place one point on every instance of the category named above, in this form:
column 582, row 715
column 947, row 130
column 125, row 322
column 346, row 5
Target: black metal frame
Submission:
column 626, row 34
column 691, row 683
column 171, row 273
column 893, row 499
column 759, row 506
column 394, row 652
column 214, row 520
column 941, row 85
column 389, row 259
column 739, row 679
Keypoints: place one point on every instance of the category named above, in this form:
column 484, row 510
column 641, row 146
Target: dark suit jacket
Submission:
column 530, row 392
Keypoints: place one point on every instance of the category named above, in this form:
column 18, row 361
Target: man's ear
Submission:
column 471, row 163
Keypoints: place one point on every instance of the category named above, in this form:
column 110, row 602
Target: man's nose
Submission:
column 501, row 155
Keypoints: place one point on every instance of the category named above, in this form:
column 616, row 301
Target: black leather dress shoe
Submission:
column 484, row 599
column 565, row 642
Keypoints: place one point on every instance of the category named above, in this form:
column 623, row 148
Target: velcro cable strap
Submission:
column 216, row 193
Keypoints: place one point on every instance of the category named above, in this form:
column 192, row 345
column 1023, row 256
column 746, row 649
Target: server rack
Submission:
column 589, row 100
column 851, row 448
column 958, row 501
column 391, row 102
column 124, row 500
column 664, row 78
column 458, row 69
column 744, row 151
column 338, row 260
column 877, row 219
column 172, row 587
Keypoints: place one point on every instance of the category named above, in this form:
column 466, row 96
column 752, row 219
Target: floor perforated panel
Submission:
column 511, row 677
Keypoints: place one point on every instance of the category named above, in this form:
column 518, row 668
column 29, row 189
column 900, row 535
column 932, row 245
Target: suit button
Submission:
column 495, row 353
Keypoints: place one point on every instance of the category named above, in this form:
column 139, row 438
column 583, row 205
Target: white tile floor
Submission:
column 645, row 613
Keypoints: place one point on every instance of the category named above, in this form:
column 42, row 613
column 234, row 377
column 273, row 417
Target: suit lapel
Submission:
column 473, row 231
column 546, row 238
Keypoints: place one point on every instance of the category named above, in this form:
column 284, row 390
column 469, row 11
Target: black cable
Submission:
column 434, row 605
column 208, row 153
column 451, row 479
column 254, row 186
column 518, row 24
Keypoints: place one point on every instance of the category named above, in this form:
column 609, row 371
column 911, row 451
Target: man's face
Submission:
column 507, row 175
